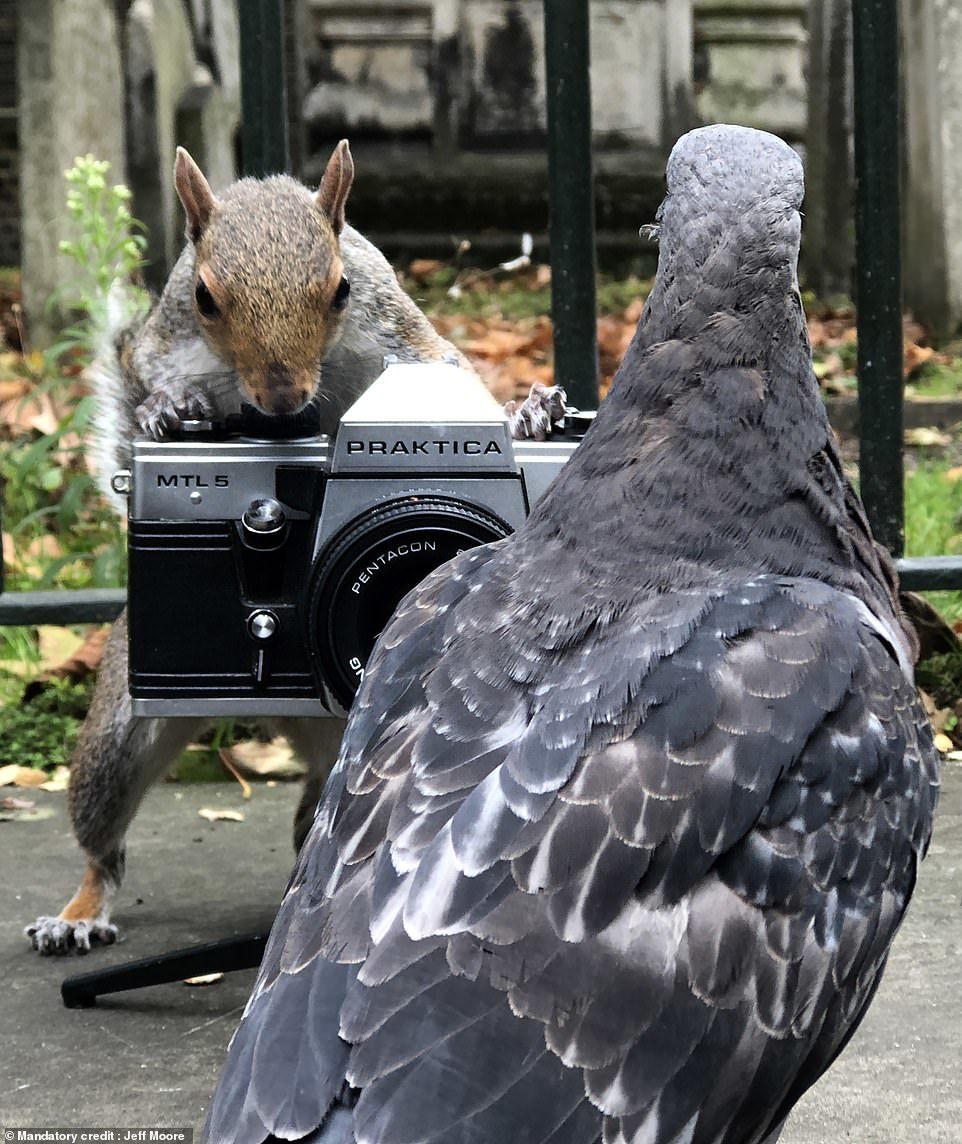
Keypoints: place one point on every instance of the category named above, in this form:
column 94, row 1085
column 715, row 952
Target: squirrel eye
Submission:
column 341, row 295
column 205, row 300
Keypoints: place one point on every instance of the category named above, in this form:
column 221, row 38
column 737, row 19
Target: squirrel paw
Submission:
column 162, row 412
column 541, row 412
column 50, row 935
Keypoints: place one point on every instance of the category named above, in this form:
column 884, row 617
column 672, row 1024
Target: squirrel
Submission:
column 275, row 301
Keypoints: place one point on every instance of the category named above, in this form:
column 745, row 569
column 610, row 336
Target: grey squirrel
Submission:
column 275, row 301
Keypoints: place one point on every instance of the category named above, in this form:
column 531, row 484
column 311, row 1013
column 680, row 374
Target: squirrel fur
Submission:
column 275, row 301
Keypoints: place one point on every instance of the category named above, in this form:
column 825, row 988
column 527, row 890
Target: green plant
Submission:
column 63, row 533
column 42, row 731
column 107, row 249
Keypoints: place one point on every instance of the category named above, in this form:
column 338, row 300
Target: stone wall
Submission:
column 932, row 202
column 182, row 88
column 750, row 58
column 468, row 75
column 9, row 159
column 70, row 83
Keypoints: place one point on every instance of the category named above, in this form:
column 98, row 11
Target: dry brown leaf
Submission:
column 424, row 267
column 14, row 775
column 943, row 744
column 952, row 475
column 12, row 802
column 916, row 355
column 927, row 438
column 204, row 979
column 498, row 343
column 215, row 815
column 275, row 759
column 13, row 388
column 63, row 659
column 36, row 412
column 59, row 780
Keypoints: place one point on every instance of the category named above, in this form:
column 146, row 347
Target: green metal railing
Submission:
column 878, row 275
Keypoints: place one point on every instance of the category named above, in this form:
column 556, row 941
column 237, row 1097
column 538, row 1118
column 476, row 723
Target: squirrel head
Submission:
column 270, row 294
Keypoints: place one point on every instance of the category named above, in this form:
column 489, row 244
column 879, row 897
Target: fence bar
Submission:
column 263, row 90
column 571, row 199
column 878, row 266
column 77, row 606
column 930, row 573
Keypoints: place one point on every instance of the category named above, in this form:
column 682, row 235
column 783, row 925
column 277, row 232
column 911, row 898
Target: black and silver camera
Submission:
column 262, row 571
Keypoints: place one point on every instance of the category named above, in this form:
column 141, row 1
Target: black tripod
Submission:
column 82, row 991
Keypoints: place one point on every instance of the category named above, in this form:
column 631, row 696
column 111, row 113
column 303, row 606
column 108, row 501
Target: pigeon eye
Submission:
column 205, row 301
column 341, row 295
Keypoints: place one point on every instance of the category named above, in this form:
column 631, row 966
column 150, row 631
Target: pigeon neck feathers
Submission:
column 712, row 458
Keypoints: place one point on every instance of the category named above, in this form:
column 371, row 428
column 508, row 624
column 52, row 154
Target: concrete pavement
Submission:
column 148, row 1059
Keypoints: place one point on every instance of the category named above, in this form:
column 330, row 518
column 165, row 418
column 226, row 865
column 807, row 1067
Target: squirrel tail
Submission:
column 108, row 376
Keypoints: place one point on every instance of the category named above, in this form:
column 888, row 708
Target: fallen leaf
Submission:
column 59, row 780
column 499, row 343
column 425, row 267
column 275, row 759
column 221, row 815
column 13, row 388
column 927, row 438
column 204, row 979
column 943, row 744
column 952, row 475
column 12, row 802
column 940, row 718
column 38, row 815
column 63, row 659
column 14, row 775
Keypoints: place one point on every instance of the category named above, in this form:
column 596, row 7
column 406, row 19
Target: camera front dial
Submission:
column 367, row 569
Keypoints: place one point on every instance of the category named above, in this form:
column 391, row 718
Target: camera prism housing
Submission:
column 262, row 572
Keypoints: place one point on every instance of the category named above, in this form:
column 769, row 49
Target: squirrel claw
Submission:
column 56, row 936
column 161, row 413
column 539, row 415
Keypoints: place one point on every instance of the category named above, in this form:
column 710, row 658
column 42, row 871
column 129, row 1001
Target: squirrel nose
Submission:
column 279, row 393
column 278, row 376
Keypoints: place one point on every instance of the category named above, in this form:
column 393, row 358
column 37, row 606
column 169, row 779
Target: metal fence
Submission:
column 878, row 255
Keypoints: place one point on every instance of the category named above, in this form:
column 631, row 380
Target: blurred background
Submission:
column 444, row 104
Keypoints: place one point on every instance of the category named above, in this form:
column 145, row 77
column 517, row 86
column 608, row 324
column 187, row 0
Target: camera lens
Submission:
column 367, row 569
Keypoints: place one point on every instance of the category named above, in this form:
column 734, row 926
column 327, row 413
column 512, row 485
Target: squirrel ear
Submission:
column 195, row 193
column 336, row 184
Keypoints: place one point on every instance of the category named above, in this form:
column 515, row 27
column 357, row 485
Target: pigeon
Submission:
column 630, row 805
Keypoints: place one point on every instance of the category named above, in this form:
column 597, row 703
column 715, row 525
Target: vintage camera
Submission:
column 262, row 571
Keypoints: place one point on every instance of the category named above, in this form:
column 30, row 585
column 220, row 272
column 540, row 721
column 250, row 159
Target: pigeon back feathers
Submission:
column 630, row 805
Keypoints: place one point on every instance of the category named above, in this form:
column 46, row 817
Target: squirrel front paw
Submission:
column 162, row 412
column 58, row 936
column 541, row 412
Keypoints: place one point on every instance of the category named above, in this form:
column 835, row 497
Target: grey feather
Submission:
column 630, row 805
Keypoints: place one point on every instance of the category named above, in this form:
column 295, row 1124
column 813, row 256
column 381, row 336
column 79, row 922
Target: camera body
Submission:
column 262, row 571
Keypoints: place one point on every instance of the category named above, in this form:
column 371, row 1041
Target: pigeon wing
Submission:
column 630, row 879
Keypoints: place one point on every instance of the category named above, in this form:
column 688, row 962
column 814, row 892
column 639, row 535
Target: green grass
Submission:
column 933, row 525
column 513, row 298
column 937, row 380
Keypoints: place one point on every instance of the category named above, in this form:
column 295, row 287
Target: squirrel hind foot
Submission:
column 55, row 936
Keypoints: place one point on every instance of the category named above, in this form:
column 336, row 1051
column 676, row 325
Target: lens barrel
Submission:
column 368, row 568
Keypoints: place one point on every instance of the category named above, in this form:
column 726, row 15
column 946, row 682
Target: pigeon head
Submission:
column 737, row 168
column 712, row 454
column 730, row 219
